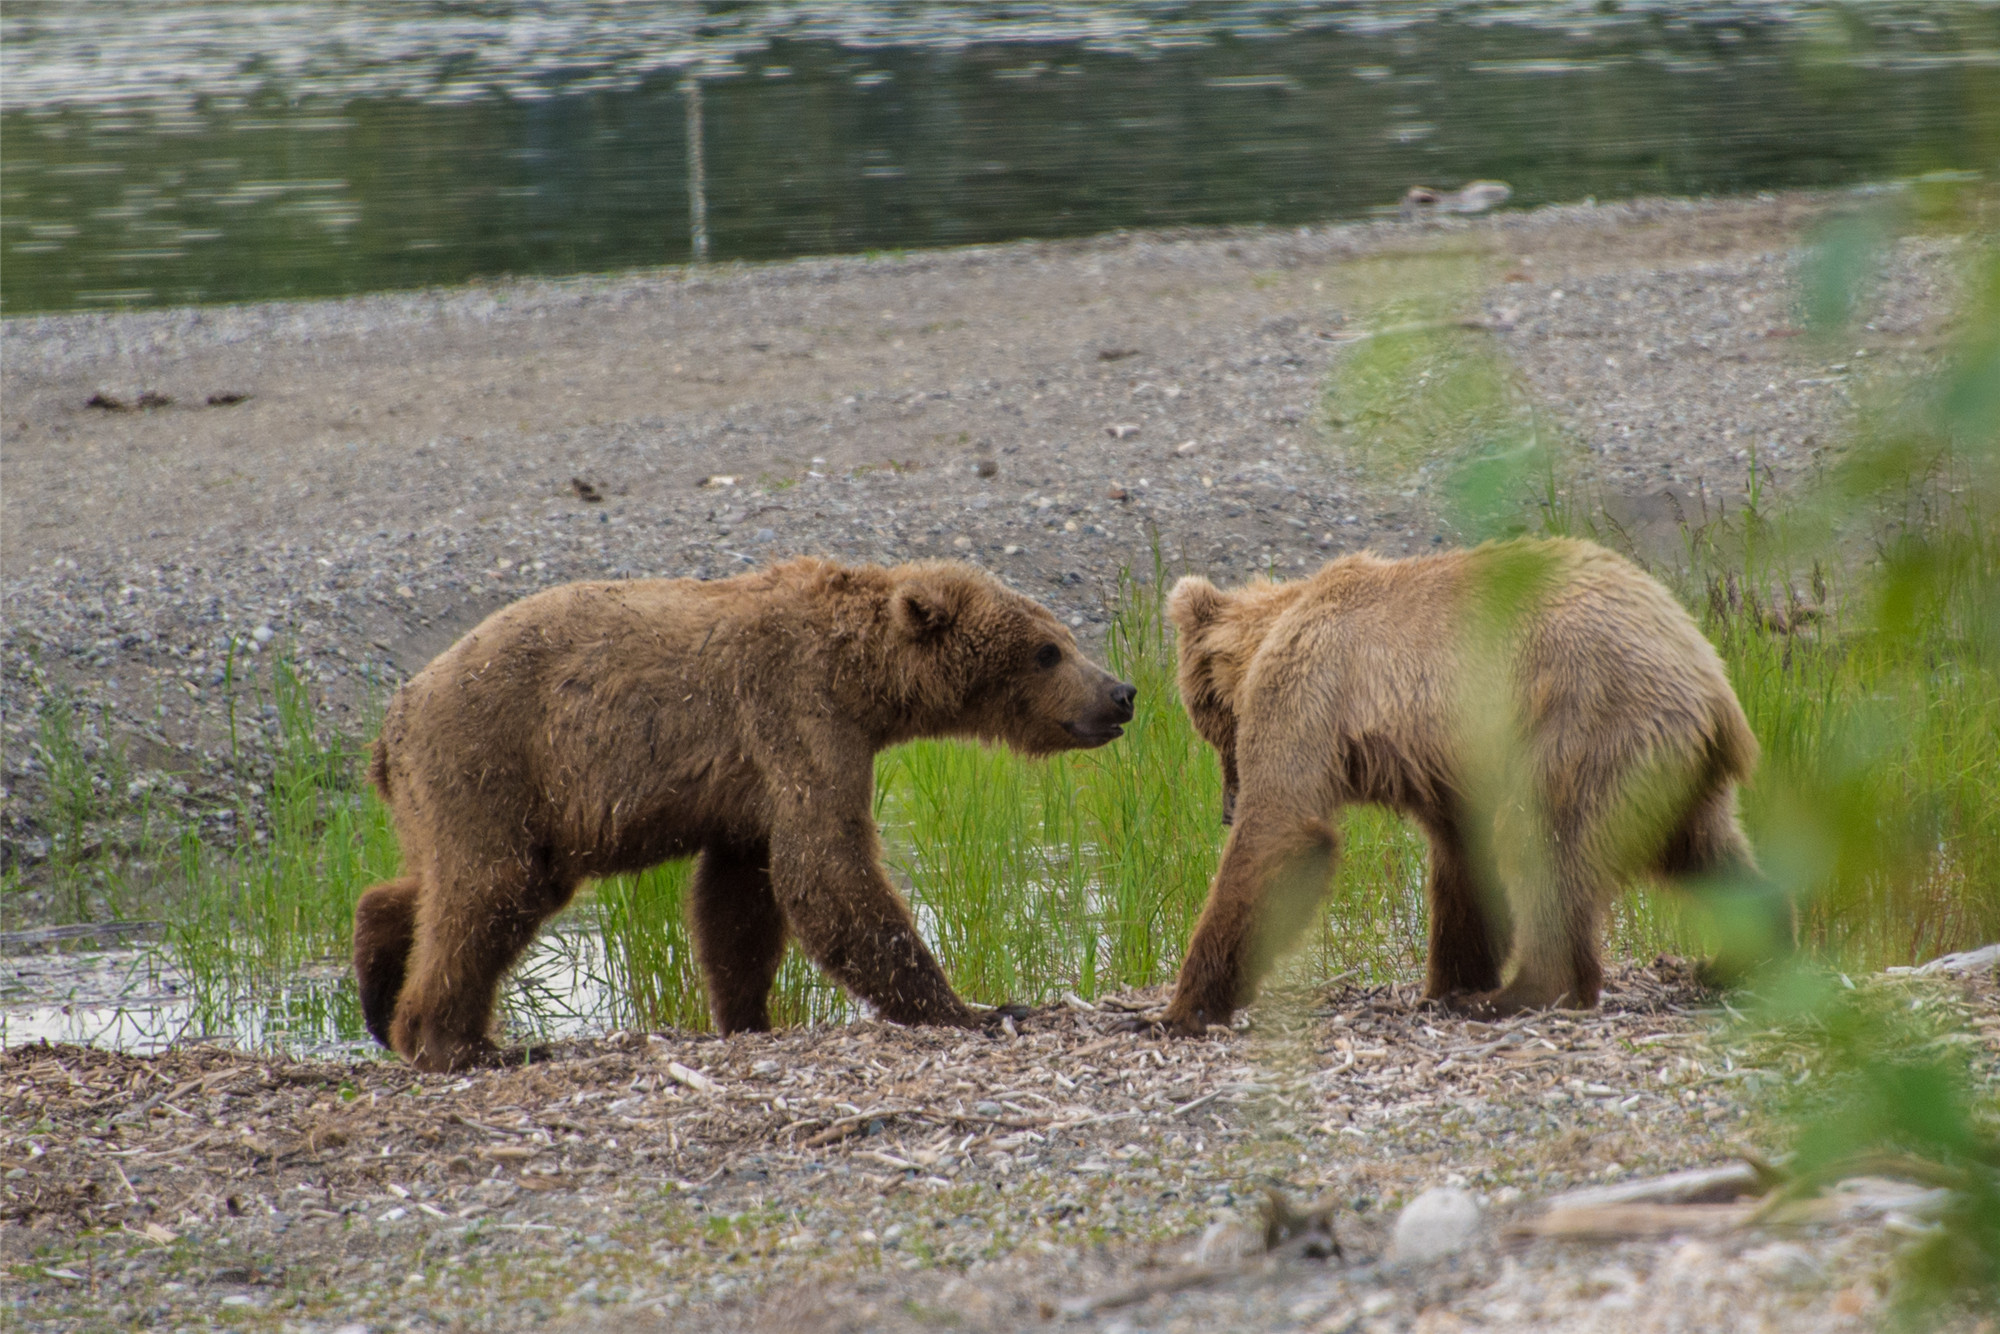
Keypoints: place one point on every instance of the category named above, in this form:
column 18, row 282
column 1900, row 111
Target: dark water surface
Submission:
column 169, row 153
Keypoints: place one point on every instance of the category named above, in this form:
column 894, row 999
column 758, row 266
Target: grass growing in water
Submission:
column 251, row 915
column 1083, row 872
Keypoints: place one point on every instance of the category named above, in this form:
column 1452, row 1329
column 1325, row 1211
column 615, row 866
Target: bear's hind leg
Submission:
column 1709, row 855
column 1556, row 908
column 385, row 926
column 469, row 933
column 1468, row 931
column 739, row 934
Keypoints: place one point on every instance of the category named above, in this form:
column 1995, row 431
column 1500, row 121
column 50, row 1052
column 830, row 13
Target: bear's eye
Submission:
column 1047, row 656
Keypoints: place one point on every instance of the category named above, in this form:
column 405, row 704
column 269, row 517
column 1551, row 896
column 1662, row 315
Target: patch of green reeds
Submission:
column 642, row 957
column 249, row 915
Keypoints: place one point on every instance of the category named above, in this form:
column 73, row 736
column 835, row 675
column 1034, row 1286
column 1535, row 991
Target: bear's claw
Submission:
column 1146, row 1026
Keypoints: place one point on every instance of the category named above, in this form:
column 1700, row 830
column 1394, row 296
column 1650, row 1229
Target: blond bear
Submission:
column 1546, row 712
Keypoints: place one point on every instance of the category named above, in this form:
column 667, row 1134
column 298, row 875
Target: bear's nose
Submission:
column 1122, row 695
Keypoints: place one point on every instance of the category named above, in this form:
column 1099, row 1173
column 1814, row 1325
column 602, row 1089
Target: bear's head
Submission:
column 1218, row 635
column 985, row 662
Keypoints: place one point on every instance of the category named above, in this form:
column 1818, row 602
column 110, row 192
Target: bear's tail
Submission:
column 385, row 926
column 1733, row 750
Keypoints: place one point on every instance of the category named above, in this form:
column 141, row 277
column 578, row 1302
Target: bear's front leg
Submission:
column 1275, row 869
column 827, row 873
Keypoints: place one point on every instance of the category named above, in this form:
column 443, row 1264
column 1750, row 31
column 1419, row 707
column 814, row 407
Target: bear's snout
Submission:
column 1106, row 722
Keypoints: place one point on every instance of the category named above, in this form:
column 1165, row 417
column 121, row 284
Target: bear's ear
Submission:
column 1194, row 603
column 925, row 608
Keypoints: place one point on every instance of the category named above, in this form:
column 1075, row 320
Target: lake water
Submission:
column 169, row 152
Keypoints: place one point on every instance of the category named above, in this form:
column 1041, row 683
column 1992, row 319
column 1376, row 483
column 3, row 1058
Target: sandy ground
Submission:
column 401, row 465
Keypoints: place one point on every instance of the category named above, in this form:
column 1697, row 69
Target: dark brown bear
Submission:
column 1547, row 712
column 606, row 727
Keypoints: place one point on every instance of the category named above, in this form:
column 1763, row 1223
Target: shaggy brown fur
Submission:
column 1546, row 712
column 605, row 727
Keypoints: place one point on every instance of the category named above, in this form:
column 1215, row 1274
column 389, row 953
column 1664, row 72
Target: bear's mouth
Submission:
column 1095, row 734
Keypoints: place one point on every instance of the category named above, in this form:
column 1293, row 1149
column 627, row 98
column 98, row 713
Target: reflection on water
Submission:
column 136, row 1000
column 199, row 152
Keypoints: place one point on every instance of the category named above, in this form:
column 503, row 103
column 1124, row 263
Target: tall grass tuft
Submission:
column 250, row 915
column 85, row 775
column 649, row 964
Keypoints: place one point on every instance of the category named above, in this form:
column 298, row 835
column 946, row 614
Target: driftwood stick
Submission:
column 50, row 935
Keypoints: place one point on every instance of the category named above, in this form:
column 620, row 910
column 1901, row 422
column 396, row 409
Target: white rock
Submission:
column 1786, row 1262
column 1442, row 1221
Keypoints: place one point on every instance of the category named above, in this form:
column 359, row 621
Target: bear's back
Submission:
column 1611, row 630
column 1564, row 625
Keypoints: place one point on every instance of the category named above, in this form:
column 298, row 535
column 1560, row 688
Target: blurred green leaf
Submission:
column 1841, row 262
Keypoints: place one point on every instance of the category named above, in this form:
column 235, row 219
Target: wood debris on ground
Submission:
column 861, row 1176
